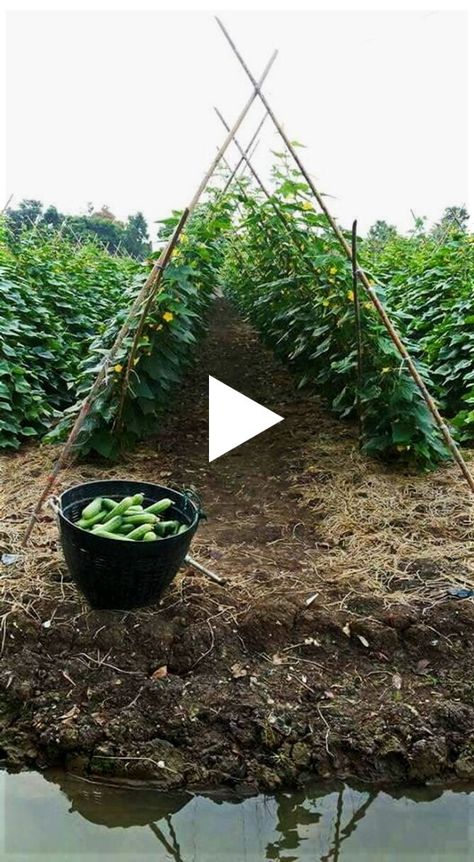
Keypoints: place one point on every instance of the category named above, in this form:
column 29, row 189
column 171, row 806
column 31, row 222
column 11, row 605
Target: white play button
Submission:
column 234, row 418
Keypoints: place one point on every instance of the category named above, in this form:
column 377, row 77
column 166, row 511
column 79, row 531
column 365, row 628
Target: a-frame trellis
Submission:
column 360, row 274
column 140, row 306
column 143, row 301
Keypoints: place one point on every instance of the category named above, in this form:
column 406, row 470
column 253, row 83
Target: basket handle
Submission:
column 53, row 504
column 196, row 499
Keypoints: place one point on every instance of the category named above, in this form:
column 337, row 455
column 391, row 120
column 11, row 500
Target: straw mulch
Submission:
column 336, row 617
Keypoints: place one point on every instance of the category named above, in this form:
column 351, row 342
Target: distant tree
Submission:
column 131, row 237
column 52, row 217
column 26, row 215
column 381, row 232
column 136, row 238
column 104, row 213
column 110, row 233
column 453, row 219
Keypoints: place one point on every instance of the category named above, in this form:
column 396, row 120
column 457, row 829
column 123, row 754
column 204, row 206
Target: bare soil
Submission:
column 257, row 686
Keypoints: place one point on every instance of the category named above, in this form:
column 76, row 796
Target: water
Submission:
column 63, row 819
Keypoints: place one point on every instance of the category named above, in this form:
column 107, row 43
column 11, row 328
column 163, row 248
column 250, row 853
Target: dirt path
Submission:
column 371, row 680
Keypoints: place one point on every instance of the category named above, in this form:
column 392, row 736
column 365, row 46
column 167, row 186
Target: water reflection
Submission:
column 51, row 817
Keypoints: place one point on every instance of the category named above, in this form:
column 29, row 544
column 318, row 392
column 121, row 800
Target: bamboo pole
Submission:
column 247, row 151
column 90, row 397
column 443, row 428
column 155, row 276
column 190, row 209
column 231, row 133
column 243, row 170
column 163, row 261
column 243, row 192
column 287, row 224
column 358, row 323
column 5, row 206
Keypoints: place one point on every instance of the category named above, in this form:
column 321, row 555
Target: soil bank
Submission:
column 251, row 685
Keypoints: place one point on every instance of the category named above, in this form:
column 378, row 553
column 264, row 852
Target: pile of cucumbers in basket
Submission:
column 128, row 521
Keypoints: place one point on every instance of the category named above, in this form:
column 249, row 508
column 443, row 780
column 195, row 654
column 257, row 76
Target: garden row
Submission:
column 288, row 274
column 54, row 298
column 62, row 304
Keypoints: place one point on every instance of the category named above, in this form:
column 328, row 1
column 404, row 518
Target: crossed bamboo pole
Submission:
column 287, row 223
column 239, row 182
column 143, row 301
column 361, row 275
column 247, row 152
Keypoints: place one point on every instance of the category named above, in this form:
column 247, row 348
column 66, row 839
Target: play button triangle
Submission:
column 234, row 418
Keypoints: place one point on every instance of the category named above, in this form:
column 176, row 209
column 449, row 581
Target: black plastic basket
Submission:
column 123, row 575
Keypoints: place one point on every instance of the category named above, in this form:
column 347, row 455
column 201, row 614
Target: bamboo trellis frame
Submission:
column 284, row 220
column 247, row 152
column 142, row 300
column 361, row 275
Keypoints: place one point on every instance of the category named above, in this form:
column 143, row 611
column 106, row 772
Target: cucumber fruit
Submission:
column 158, row 508
column 92, row 509
column 128, row 519
column 139, row 532
column 104, row 534
column 119, row 509
column 111, row 526
column 140, row 518
column 88, row 523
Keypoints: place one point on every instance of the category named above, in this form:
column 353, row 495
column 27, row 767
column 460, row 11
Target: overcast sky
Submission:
column 116, row 107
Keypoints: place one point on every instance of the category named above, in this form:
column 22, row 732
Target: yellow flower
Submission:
column 306, row 205
column 325, row 302
column 333, row 270
column 367, row 305
column 386, row 370
column 168, row 316
column 118, row 368
column 350, row 295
